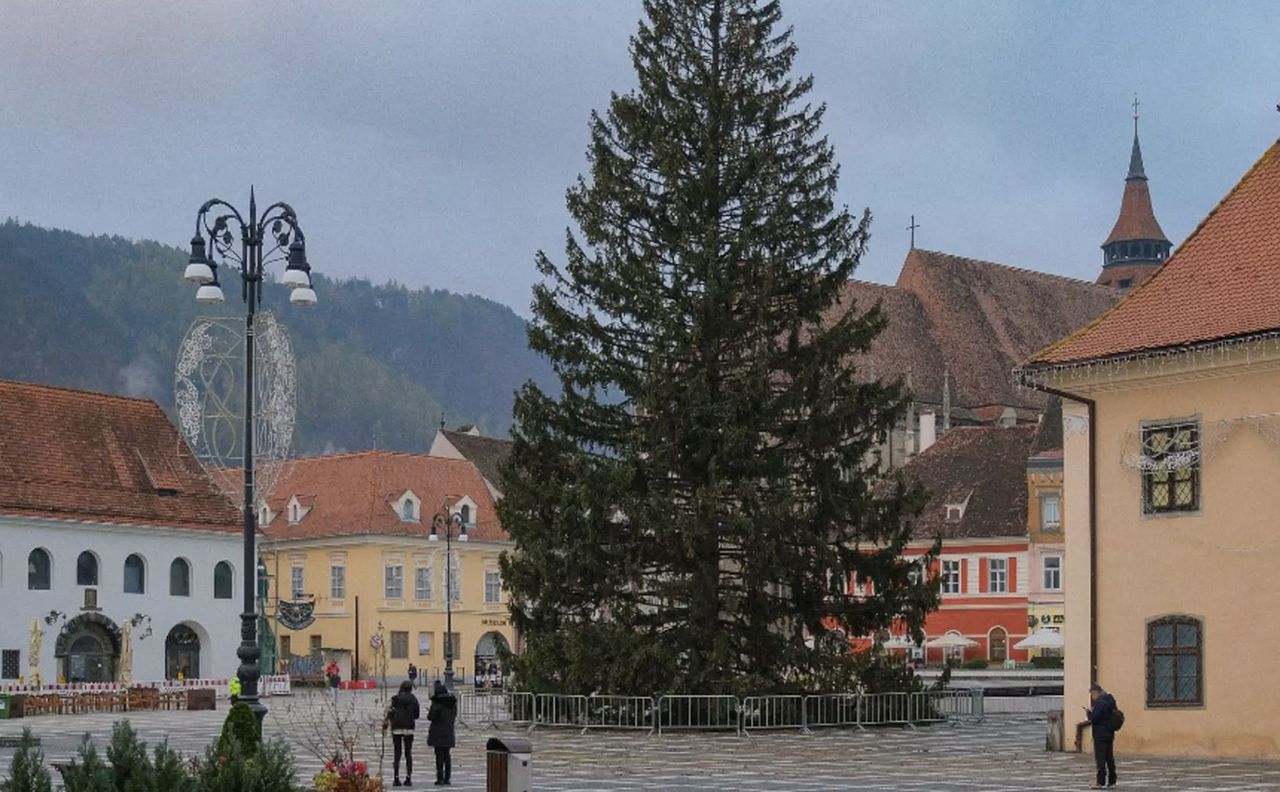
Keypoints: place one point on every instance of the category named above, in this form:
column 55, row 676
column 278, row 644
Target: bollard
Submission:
column 1055, row 737
column 507, row 764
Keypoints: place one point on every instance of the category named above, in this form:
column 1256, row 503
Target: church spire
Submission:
column 1137, row 245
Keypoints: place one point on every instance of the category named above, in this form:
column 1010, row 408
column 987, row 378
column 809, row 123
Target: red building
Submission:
column 977, row 480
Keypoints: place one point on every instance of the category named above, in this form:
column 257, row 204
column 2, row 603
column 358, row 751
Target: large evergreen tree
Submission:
column 689, row 511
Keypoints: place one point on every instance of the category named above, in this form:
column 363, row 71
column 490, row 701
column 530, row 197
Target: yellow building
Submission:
column 1046, row 550
column 1172, row 453
column 351, row 537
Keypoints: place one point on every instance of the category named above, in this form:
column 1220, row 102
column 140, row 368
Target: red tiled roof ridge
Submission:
column 1043, row 358
column 1020, row 270
column 80, row 392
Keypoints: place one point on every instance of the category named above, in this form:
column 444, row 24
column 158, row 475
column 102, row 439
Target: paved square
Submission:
column 1004, row 753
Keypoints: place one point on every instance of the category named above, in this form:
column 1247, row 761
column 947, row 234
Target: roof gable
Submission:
column 1223, row 282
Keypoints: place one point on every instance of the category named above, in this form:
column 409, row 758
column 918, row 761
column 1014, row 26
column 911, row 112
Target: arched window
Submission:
column 135, row 575
column 222, row 583
column 998, row 645
column 39, row 570
column 180, row 578
column 87, row 569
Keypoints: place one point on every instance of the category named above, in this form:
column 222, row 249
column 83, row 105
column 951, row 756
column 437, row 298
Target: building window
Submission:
column 492, row 586
column 337, row 582
column 1053, row 573
column 222, row 580
column 394, row 582
column 950, row 577
column 455, row 578
column 399, row 645
column 997, row 576
column 1175, row 671
column 407, row 511
column 180, row 578
column 297, row 587
column 286, row 647
column 39, row 570
column 87, row 569
column 465, row 512
column 1171, row 468
column 422, row 583
column 315, row 646
column 1051, row 513
column 9, row 664
column 135, row 575
column 424, row 643
column 998, row 645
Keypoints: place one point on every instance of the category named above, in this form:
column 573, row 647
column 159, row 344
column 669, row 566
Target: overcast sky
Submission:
column 431, row 142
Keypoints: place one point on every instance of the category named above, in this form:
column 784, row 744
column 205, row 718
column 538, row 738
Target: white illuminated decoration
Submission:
column 209, row 390
column 1074, row 424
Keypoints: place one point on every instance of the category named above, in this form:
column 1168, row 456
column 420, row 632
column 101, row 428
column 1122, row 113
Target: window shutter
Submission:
column 964, row 575
column 983, row 580
column 1013, row 574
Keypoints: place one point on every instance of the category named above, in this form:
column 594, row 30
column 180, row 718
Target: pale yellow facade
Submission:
column 396, row 584
column 1215, row 564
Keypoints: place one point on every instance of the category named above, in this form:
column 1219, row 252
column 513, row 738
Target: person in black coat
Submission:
column 1104, row 739
column 402, row 713
column 440, row 734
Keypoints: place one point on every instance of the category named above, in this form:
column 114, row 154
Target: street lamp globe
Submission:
column 304, row 295
column 210, row 294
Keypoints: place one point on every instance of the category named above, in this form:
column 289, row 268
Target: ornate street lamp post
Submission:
column 447, row 522
column 265, row 240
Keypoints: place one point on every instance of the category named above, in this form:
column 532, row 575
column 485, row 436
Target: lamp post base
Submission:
column 249, row 671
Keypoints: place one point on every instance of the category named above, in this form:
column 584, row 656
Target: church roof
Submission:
column 1222, row 283
column 1137, row 219
column 486, row 453
column 79, row 455
column 976, row 318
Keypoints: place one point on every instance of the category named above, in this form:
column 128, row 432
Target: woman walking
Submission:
column 440, row 735
column 401, row 715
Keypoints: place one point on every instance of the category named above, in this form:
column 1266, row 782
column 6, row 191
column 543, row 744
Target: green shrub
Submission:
column 225, row 768
column 27, row 772
column 977, row 663
column 242, row 726
column 88, row 773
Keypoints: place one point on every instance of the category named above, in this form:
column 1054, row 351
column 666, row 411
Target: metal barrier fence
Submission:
column 495, row 708
column 698, row 713
column 719, row 713
column 631, row 713
column 760, row 713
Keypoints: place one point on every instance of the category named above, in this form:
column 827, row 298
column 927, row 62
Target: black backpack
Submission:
column 1115, row 721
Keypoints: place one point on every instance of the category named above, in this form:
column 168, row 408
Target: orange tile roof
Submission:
column 354, row 494
column 1222, row 283
column 79, row 455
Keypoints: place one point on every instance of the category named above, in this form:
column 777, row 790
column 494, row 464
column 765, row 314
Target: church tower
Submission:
column 1136, row 246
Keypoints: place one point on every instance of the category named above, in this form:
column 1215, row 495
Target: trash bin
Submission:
column 507, row 764
column 4, row 706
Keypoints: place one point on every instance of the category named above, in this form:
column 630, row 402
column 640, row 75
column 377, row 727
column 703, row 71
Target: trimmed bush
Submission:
column 977, row 663
column 242, row 726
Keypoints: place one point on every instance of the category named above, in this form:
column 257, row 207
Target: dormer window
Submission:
column 295, row 513
column 955, row 512
column 465, row 512
column 409, row 507
column 264, row 515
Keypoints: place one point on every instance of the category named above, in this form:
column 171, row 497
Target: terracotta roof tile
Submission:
column 985, row 465
column 79, row 455
column 353, row 494
column 976, row 317
column 1223, row 282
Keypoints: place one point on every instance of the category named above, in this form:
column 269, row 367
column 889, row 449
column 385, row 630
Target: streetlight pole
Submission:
column 278, row 228
column 446, row 521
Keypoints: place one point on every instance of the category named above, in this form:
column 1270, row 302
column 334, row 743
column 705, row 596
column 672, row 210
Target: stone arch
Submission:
column 185, row 648
column 88, row 648
column 997, row 644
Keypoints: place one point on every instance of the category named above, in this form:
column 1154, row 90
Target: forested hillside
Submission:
column 376, row 364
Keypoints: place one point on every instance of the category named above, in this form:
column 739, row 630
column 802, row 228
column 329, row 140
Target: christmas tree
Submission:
column 691, row 511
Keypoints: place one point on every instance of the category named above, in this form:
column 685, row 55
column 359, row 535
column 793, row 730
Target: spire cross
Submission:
column 1136, row 104
column 912, row 228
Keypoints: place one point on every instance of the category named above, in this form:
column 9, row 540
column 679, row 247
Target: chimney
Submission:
column 928, row 430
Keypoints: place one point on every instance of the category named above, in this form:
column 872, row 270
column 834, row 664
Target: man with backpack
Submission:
column 1105, row 719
